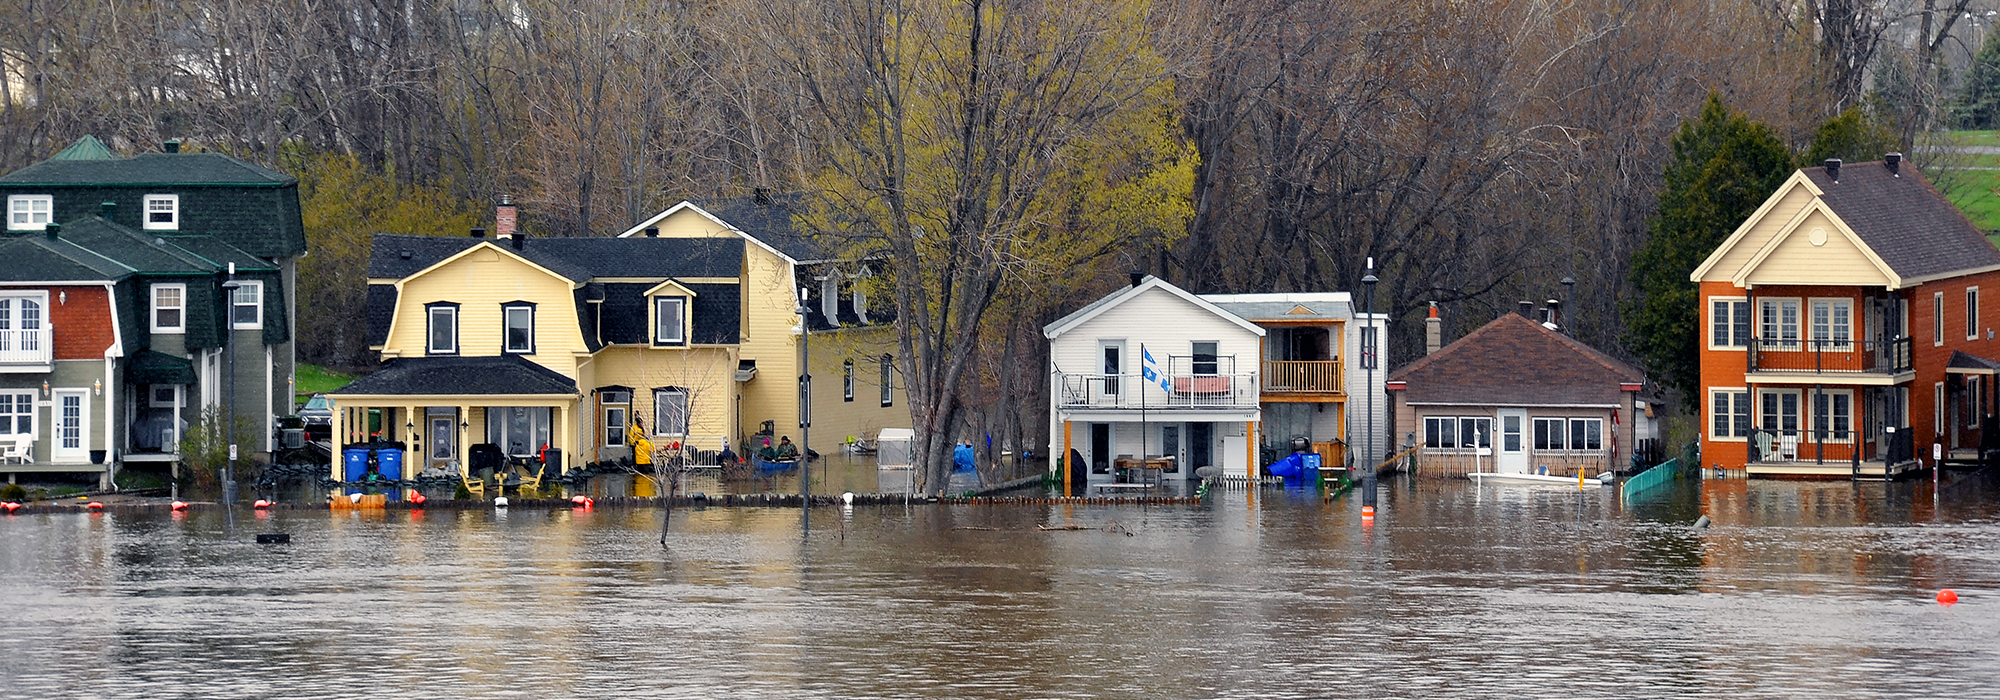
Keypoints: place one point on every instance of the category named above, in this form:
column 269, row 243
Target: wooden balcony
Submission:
column 1304, row 377
column 24, row 349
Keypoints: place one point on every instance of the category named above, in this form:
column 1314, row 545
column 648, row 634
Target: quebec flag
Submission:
column 1152, row 375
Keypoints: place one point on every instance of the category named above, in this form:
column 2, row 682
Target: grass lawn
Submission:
column 1976, row 138
column 314, row 379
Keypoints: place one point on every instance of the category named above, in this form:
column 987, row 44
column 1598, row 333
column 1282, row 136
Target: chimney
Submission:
column 478, row 232
column 1137, row 277
column 1554, row 315
column 504, row 218
column 1433, row 331
column 1892, row 160
column 761, row 195
column 1833, row 169
column 1527, row 309
column 171, row 146
column 53, row 229
column 106, row 209
column 520, row 239
column 652, row 232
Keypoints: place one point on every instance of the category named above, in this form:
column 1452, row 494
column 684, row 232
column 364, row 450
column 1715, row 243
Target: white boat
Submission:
column 1524, row 479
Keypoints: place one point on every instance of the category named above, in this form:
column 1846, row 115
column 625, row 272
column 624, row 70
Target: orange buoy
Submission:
column 1368, row 512
column 261, row 503
column 178, row 505
column 1947, row 597
column 417, row 498
column 10, row 507
column 94, row 505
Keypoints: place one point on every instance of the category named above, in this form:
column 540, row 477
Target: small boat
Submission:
column 1524, row 479
column 773, row 465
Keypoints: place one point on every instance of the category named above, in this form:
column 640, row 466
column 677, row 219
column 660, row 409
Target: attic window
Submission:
column 669, row 320
column 29, row 212
column 163, row 212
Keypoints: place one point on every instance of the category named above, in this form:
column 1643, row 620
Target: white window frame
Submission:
column 1779, row 327
column 660, row 320
column 1839, row 324
column 163, row 395
column 1723, row 333
column 888, row 380
column 1593, row 432
column 1972, row 313
column 431, row 324
column 258, row 306
column 20, row 206
column 1774, row 421
column 18, row 400
column 1937, row 319
column 1837, row 424
column 172, row 210
column 507, row 312
column 620, row 401
column 1940, row 421
column 847, row 380
column 829, row 298
column 179, row 307
column 1447, row 434
column 664, row 423
column 1738, row 413
column 1543, row 428
column 1973, row 396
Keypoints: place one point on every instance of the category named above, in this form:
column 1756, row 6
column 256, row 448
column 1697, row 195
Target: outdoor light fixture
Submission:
column 45, row 389
column 97, row 387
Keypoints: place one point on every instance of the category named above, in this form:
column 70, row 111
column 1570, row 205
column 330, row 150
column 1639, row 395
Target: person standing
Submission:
column 642, row 447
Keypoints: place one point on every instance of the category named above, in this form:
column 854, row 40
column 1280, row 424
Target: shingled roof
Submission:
column 149, row 169
column 1906, row 221
column 770, row 221
column 1514, row 361
column 510, row 375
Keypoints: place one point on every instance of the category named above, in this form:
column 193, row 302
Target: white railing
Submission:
column 1177, row 391
column 33, row 346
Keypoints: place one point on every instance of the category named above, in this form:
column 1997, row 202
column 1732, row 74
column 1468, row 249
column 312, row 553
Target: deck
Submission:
column 1830, row 469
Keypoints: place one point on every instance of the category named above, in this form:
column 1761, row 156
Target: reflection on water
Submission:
column 1799, row 590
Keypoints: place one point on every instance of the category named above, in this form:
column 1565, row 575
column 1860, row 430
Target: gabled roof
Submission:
column 147, row 169
column 1962, row 362
column 42, row 259
column 1899, row 219
column 768, row 225
column 1514, row 361
column 395, row 256
column 1130, row 292
column 510, row 375
column 1287, row 306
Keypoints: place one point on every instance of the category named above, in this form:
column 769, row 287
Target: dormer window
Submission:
column 829, row 298
column 670, row 320
column 29, row 212
column 163, row 212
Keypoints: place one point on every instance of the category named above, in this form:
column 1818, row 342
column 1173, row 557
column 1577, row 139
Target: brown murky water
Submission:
column 1799, row 590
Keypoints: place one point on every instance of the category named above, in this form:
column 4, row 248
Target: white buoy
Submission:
column 847, row 498
column 500, row 502
column 354, row 498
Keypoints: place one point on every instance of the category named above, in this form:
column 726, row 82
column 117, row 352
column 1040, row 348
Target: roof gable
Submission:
column 1793, row 185
column 486, row 245
column 1518, row 362
column 1130, row 292
column 1815, row 247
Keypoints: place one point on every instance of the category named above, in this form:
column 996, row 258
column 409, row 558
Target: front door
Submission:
column 72, row 429
column 443, row 444
column 1511, row 453
column 1201, row 445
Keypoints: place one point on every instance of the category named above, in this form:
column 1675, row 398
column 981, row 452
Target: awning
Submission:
column 151, row 367
column 1962, row 363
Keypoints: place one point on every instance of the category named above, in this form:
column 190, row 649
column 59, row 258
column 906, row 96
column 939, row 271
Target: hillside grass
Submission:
column 314, row 379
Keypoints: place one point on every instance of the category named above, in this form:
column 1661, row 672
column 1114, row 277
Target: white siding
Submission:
column 1362, row 386
column 1165, row 323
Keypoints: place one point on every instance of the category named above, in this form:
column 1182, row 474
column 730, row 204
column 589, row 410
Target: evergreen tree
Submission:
column 1854, row 136
column 1978, row 103
column 1723, row 167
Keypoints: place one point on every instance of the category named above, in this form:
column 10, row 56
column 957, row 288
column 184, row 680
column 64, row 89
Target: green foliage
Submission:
column 12, row 492
column 461, row 493
column 1723, row 167
column 204, row 448
column 1854, row 136
column 1978, row 103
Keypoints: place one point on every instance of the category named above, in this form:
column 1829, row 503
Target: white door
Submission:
column 1511, row 450
column 70, row 442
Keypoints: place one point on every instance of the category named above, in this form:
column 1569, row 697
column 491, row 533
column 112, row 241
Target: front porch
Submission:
column 470, row 418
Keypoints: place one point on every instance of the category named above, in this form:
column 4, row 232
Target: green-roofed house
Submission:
column 128, row 289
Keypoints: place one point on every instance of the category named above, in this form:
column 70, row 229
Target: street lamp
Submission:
column 229, row 348
column 1368, row 388
column 805, row 403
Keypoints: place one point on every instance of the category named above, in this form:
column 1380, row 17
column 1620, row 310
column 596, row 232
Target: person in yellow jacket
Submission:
column 642, row 448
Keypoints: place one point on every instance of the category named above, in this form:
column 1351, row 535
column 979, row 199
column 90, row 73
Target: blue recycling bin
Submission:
column 355, row 461
column 389, row 461
column 1311, row 469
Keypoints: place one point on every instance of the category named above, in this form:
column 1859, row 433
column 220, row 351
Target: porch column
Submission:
column 335, row 435
column 1066, row 464
column 460, row 450
column 569, row 445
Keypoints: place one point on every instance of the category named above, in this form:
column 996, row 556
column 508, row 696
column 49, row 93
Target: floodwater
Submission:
column 1798, row 590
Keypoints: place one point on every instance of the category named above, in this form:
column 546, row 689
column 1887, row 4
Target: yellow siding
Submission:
column 1789, row 205
column 686, row 223
column 1837, row 261
column 480, row 282
column 834, row 417
column 708, row 375
column 768, row 319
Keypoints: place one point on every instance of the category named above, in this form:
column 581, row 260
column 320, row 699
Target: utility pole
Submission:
column 229, row 348
column 1368, row 388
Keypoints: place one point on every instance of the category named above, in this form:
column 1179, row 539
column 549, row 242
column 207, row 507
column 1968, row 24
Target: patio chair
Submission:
column 476, row 486
column 16, row 450
column 1765, row 441
column 1788, row 446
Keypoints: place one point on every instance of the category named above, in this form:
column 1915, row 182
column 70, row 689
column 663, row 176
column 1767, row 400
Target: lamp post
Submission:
column 805, row 406
column 1368, row 388
column 229, row 348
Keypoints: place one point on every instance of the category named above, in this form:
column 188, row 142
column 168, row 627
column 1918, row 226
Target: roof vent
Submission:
column 405, row 255
column 1527, row 308
column 1892, row 161
column 761, row 195
column 1833, row 169
column 53, row 229
column 520, row 238
column 478, row 232
column 1137, row 277
column 652, row 232
column 171, row 146
column 106, row 209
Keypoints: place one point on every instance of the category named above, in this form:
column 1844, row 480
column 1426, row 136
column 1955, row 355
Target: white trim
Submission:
column 81, row 453
column 507, row 329
column 656, row 326
column 430, row 330
column 1128, row 293
column 49, row 212
column 1832, row 302
column 669, row 286
column 153, row 308
column 1812, row 416
column 1972, row 312
column 1516, row 405
column 1798, row 323
column 1742, row 276
column 1748, row 413
column 1709, row 310
column 153, row 397
column 685, row 204
column 1797, row 179
column 1937, row 319
column 173, row 211
column 253, row 325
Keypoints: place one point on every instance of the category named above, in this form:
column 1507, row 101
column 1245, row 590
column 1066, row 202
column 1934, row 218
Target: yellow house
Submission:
column 550, row 348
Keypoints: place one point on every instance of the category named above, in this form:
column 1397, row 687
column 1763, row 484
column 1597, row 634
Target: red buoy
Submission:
column 261, row 503
column 10, row 507
column 179, row 505
column 417, row 498
column 1947, row 597
column 94, row 505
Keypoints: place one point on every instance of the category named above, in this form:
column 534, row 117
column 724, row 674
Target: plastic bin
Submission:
column 389, row 461
column 355, row 461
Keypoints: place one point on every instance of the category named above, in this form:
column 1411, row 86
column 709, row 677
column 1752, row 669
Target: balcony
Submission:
column 27, row 350
column 1136, row 392
column 1304, row 377
column 1830, row 356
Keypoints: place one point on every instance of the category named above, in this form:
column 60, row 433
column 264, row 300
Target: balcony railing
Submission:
column 1830, row 356
column 33, row 346
column 1304, row 376
column 1135, row 392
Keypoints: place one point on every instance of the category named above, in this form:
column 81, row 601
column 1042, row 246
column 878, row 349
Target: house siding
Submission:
column 834, row 418
column 768, row 336
column 480, row 282
column 1794, row 199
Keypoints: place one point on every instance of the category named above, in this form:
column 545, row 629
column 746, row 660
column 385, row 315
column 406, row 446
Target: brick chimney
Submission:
column 504, row 218
column 1433, row 331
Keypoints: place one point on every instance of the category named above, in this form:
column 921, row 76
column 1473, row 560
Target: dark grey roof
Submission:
column 1905, row 220
column 41, row 259
column 461, row 376
column 221, row 253
column 381, row 311
column 717, row 312
column 647, row 258
column 395, row 256
column 149, row 169
column 1513, row 361
column 771, row 223
column 1961, row 360
column 143, row 252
